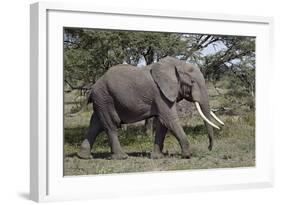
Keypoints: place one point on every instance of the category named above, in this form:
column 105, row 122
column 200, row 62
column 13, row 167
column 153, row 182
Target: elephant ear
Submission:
column 166, row 78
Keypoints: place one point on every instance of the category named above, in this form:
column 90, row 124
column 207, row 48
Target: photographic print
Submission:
column 140, row 101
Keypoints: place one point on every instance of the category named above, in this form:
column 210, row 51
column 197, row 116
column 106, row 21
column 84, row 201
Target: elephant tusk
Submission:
column 216, row 118
column 204, row 117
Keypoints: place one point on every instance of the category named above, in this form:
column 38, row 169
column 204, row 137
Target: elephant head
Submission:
column 178, row 80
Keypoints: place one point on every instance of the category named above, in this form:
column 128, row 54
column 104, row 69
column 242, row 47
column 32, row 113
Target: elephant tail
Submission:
column 90, row 98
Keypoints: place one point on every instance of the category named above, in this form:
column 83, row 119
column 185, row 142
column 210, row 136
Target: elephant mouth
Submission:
column 185, row 92
column 198, row 107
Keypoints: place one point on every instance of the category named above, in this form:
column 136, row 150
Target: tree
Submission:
column 237, row 60
column 89, row 53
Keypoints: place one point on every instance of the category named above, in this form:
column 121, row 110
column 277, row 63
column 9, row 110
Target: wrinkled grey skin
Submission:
column 126, row 94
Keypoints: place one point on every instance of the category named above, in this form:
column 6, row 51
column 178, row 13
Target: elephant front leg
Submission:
column 177, row 130
column 116, row 150
column 161, row 131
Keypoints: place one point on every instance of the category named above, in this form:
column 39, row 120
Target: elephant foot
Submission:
column 119, row 156
column 156, row 155
column 186, row 155
column 83, row 154
column 85, row 151
column 210, row 147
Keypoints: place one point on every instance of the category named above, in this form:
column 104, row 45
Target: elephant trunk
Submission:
column 204, row 111
column 201, row 99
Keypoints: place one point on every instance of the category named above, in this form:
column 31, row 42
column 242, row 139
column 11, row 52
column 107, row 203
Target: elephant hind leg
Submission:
column 94, row 129
column 111, row 122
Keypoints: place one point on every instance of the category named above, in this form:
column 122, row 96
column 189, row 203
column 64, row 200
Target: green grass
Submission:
column 234, row 147
column 234, row 144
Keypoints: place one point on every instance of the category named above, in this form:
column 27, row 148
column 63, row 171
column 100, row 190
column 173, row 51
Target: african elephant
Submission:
column 126, row 94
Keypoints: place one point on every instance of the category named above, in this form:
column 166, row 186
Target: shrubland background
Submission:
column 228, row 64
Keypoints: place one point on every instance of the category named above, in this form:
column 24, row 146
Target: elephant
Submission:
column 127, row 94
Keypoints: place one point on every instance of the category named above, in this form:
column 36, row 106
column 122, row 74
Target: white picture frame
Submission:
column 46, row 159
